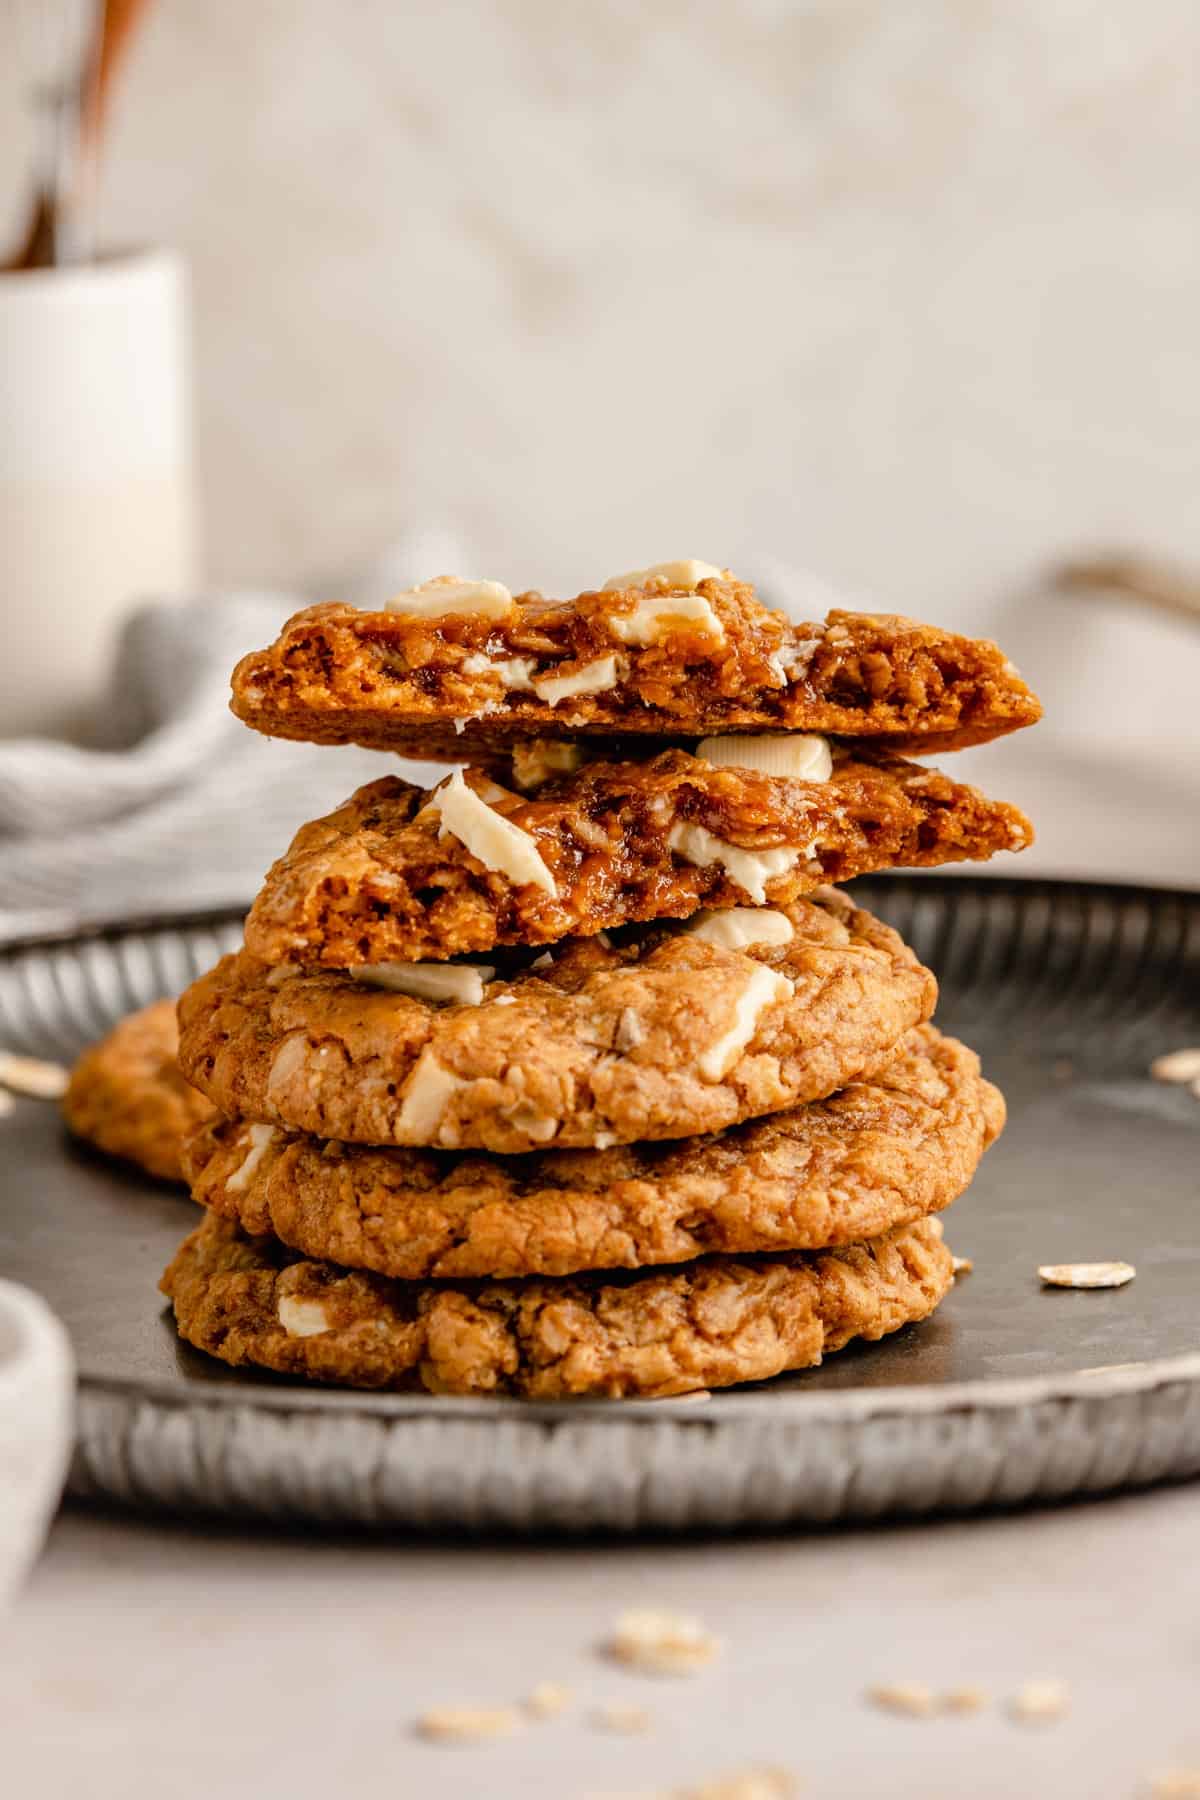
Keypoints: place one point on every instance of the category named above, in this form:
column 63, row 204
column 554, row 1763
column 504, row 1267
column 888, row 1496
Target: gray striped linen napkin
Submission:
column 184, row 808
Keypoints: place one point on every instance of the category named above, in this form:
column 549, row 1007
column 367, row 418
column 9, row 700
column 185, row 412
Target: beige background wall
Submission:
column 907, row 292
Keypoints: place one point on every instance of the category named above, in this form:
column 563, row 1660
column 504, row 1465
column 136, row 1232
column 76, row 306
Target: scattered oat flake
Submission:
column 911, row 1697
column 962, row 1265
column 1177, row 1065
column 30, row 1076
column 751, row 1784
column 685, row 1399
column 663, row 1643
column 627, row 1720
column 1176, row 1784
column 548, row 1699
column 468, row 1724
column 1087, row 1275
column 964, row 1700
column 1040, row 1701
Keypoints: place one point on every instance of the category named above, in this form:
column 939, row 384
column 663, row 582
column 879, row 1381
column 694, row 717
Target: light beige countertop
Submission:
column 155, row 1659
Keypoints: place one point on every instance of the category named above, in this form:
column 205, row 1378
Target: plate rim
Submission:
column 849, row 1405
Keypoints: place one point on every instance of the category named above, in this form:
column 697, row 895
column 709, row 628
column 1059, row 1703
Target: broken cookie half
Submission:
column 400, row 875
column 457, row 669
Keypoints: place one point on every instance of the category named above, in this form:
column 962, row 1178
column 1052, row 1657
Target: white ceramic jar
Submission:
column 36, row 1421
column 96, row 494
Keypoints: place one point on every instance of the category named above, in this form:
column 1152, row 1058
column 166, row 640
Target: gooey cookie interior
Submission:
column 460, row 668
column 401, row 874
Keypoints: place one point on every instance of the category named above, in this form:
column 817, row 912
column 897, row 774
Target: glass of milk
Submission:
column 97, row 507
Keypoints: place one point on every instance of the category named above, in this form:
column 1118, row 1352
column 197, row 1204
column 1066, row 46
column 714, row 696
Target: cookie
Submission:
column 878, row 1154
column 657, row 1034
column 401, row 874
column 711, row 1324
column 681, row 655
column 128, row 1098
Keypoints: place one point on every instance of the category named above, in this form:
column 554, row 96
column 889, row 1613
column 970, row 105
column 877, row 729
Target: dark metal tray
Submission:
column 1068, row 990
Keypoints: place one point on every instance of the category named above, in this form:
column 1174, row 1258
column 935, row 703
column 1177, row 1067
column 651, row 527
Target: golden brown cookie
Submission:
column 127, row 1095
column 710, row 1324
column 676, row 660
column 598, row 1042
column 387, row 878
column 880, row 1153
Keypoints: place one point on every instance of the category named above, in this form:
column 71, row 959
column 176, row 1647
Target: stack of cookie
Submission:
column 572, row 1075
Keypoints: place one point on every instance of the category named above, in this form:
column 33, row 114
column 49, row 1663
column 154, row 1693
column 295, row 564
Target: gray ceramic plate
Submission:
column 1010, row 1393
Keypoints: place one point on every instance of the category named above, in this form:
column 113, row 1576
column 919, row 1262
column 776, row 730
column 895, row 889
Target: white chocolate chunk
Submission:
column 748, row 869
column 795, row 754
column 630, row 1031
column 287, row 1062
column 461, row 983
column 741, row 926
column 259, row 1138
column 661, row 614
column 453, row 594
column 495, row 840
column 528, row 1118
column 488, row 791
column 594, row 678
column 514, row 671
column 793, row 660
column 765, row 988
column 537, row 762
column 301, row 1318
column 688, row 572
column 430, row 1088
